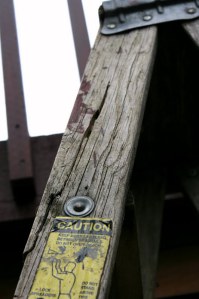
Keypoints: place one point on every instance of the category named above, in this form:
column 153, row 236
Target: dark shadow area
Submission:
column 168, row 145
column 14, row 235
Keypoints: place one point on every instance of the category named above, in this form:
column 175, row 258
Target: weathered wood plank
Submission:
column 192, row 29
column 98, row 147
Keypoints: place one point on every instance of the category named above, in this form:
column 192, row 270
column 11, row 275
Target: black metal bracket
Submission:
column 121, row 15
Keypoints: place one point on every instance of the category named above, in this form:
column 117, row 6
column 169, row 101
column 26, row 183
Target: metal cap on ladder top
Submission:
column 19, row 150
column 122, row 15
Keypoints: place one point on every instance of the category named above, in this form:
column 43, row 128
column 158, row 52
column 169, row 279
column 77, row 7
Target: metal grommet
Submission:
column 79, row 206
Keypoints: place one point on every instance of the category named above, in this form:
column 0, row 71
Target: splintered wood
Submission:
column 97, row 150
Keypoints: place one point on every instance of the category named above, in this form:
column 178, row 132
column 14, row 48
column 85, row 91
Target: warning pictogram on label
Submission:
column 73, row 259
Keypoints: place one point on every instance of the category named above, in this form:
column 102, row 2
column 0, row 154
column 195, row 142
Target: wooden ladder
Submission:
column 96, row 158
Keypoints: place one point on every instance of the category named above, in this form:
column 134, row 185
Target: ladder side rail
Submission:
column 97, row 151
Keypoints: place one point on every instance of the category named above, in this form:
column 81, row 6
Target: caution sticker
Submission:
column 73, row 259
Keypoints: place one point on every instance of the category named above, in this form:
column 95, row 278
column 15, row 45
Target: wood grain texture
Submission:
column 192, row 29
column 98, row 147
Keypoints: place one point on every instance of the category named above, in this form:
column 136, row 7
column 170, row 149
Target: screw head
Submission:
column 191, row 10
column 79, row 206
column 111, row 26
column 147, row 18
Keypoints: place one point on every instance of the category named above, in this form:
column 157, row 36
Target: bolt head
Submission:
column 111, row 26
column 147, row 18
column 191, row 10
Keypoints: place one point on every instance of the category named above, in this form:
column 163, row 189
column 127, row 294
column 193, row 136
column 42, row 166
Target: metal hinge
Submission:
column 121, row 15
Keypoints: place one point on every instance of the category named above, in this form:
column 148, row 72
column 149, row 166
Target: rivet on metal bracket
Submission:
column 122, row 15
column 147, row 18
column 111, row 26
column 191, row 10
column 160, row 9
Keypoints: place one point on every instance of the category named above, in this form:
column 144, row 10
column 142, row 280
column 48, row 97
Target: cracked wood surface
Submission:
column 97, row 150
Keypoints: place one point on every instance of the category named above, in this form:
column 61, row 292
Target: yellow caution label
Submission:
column 73, row 259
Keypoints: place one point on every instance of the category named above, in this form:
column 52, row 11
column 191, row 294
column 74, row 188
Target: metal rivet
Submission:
column 191, row 10
column 160, row 9
column 79, row 206
column 147, row 18
column 111, row 26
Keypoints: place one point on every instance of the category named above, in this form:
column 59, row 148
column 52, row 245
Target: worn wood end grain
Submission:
column 97, row 150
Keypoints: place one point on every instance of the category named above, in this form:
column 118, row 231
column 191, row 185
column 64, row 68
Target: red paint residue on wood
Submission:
column 85, row 85
column 80, row 108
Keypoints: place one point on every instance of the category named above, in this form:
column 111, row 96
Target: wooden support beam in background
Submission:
column 80, row 33
column 19, row 153
column 149, row 191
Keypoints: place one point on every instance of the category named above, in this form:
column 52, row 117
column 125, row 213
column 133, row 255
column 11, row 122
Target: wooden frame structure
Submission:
column 19, row 152
column 22, row 187
column 97, row 152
